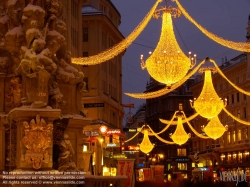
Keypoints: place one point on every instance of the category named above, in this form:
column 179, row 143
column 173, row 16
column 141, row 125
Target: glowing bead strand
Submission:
column 235, row 118
column 175, row 122
column 239, row 46
column 118, row 48
column 159, row 138
column 224, row 76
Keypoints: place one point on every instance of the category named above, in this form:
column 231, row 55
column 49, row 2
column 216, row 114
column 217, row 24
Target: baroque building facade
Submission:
column 164, row 107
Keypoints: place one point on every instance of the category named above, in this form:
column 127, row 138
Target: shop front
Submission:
column 182, row 165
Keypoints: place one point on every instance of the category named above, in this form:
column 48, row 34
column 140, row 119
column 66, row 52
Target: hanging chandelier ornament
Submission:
column 146, row 146
column 208, row 104
column 180, row 136
column 214, row 129
column 165, row 90
column 168, row 64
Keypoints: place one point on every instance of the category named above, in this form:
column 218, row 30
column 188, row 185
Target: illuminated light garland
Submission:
column 118, row 48
column 180, row 136
column 160, row 138
column 223, row 75
column 132, row 137
column 168, row 64
column 168, row 125
column 193, row 130
column 146, row 146
column 175, row 122
column 235, row 118
column 165, row 90
column 214, row 129
column 208, row 104
column 239, row 46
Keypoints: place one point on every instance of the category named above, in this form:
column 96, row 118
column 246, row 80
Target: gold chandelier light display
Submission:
column 208, row 104
column 146, row 146
column 214, row 129
column 168, row 64
column 158, row 93
column 180, row 136
column 119, row 47
column 239, row 46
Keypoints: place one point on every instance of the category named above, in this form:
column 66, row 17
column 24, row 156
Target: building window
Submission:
column 244, row 97
column 245, row 112
column 229, row 158
column 238, row 97
column 227, row 100
column 228, row 137
column 182, row 166
column 246, row 133
column 234, row 139
column 232, row 98
column 85, row 54
column 104, row 39
column 239, row 135
column 238, row 114
column 239, row 157
column 85, row 36
column 181, row 152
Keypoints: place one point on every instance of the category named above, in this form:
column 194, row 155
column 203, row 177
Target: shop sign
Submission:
column 130, row 130
column 178, row 159
column 112, row 145
column 183, row 159
column 113, row 131
column 141, row 165
column 119, row 156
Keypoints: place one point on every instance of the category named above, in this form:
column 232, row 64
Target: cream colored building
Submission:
column 100, row 21
column 72, row 17
column 232, row 149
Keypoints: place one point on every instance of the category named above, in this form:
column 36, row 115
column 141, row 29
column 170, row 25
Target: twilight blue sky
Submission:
column 225, row 18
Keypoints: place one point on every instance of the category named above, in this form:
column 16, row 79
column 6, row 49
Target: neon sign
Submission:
column 113, row 131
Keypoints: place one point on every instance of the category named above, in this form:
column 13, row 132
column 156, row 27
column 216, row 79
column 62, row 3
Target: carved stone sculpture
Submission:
column 14, row 95
column 37, row 140
column 56, row 98
column 66, row 157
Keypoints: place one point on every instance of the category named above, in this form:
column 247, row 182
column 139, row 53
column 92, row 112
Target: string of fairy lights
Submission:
column 168, row 64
